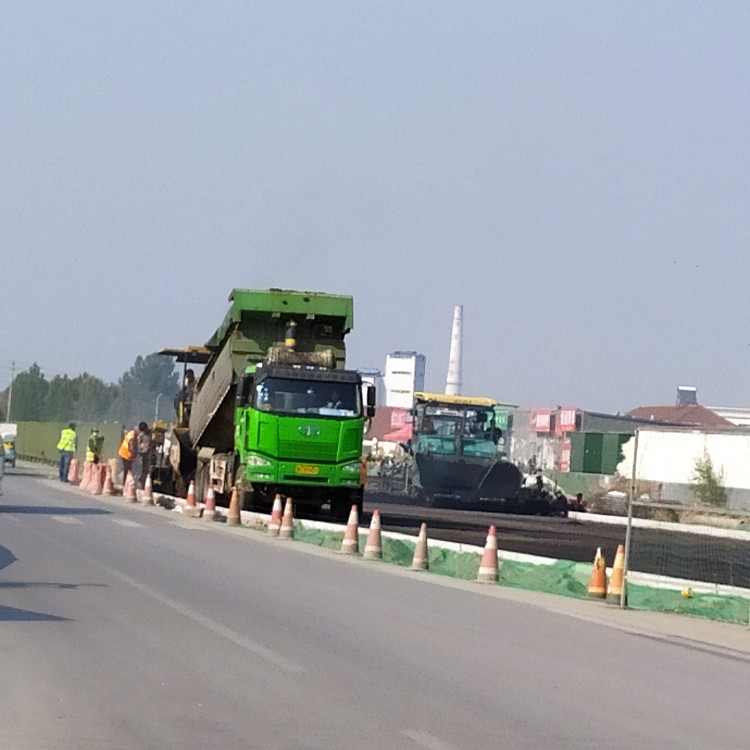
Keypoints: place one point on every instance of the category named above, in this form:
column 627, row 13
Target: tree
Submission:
column 707, row 483
column 30, row 395
column 95, row 398
column 62, row 400
column 140, row 386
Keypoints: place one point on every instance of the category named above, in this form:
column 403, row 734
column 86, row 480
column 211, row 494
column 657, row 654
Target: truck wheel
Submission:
column 340, row 508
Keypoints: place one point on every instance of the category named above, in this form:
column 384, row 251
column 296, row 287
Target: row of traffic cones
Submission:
column 97, row 479
column 208, row 513
column 598, row 587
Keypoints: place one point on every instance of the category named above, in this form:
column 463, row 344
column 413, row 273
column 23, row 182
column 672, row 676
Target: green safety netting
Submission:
column 562, row 577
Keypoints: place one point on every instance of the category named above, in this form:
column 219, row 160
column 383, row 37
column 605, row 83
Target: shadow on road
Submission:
column 47, row 585
column 11, row 614
column 54, row 510
column 6, row 557
column 30, row 473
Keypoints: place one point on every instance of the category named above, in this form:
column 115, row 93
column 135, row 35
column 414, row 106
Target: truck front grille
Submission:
column 307, row 449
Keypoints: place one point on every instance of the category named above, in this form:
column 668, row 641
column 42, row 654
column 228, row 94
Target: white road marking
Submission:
column 11, row 518
column 198, row 525
column 428, row 741
column 125, row 522
column 66, row 519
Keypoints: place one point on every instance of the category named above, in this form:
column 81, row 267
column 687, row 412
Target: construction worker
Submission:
column 127, row 452
column 143, row 440
column 94, row 446
column 183, row 402
column 67, row 446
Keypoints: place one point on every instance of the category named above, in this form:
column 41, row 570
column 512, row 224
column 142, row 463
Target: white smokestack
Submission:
column 453, row 381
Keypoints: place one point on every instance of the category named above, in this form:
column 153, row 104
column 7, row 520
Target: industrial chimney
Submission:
column 453, row 381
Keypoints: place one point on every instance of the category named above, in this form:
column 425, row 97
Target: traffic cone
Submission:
column 233, row 517
column 488, row 568
column 96, row 485
column 73, row 471
column 209, row 511
column 598, row 579
column 373, row 545
column 147, row 498
column 191, row 495
column 128, row 491
column 274, row 523
column 614, row 593
column 350, row 543
column 108, row 488
column 287, row 521
column 84, row 485
column 421, row 560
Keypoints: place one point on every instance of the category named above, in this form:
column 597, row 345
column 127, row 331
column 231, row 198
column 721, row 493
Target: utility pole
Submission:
column 10, row 390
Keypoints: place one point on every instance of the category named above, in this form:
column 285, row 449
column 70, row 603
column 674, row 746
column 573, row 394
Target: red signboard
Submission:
column 565, row 456
column 566, row 421
column 541, row 420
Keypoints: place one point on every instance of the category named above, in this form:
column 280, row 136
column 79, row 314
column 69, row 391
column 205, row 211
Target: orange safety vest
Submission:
column 125, row 451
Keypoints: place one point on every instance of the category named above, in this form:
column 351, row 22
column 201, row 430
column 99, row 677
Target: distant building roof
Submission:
column 689, row 414
column 737, row 415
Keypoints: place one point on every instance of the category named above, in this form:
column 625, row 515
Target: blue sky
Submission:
column 574, row 174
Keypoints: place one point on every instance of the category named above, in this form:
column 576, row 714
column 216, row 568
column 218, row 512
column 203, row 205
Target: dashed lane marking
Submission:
column 67, row 519
column 127, row 523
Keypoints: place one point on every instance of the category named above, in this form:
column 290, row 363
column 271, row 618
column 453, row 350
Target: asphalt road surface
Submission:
column 678, row 555
column 126, row 627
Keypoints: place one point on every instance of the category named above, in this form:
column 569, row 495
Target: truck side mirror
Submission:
column 371, row 400
column 246, row 386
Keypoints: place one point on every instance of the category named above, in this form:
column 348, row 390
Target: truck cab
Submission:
column 299, row 433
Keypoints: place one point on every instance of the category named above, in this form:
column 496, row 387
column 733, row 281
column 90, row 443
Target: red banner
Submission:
column 566, row 421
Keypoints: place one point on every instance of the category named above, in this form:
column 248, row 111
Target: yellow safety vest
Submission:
column 67, row 440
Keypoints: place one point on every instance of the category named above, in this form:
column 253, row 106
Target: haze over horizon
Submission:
column 575, row 175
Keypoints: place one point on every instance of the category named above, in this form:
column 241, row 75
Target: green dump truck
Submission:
column 274, row 410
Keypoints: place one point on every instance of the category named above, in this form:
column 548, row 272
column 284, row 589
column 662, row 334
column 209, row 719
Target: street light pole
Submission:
column 156, row 409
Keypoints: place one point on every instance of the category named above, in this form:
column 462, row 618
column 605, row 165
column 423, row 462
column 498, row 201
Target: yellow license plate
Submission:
column 306, row 470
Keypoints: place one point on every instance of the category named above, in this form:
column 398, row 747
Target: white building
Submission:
column 374, row 378
column 404, row 374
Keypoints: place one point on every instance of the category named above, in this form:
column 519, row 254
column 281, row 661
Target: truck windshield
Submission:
column 287, row 396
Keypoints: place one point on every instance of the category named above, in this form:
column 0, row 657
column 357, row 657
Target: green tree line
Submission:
column 152, row 381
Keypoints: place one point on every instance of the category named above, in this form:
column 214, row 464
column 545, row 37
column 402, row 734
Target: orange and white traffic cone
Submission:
column 191, row 506
column 108, row 488
column 209, row 511
column 374, row 545
column 147, row 498
column 488, row 568
column 73, row 471
column 84, row 485
column 128, row 490
column 598, row 579
column 286, row 531
column 616, row 584
column 190, row 500
column 274, row 523
column 420, row 560
column 233, row 517
column 350, row 543
column 96, row 484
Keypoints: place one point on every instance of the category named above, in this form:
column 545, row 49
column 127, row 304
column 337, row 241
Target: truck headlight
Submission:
column 257, row 461
column 352, row 468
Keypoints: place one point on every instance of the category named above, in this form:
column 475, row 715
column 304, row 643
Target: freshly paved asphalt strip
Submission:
column 134, row 627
